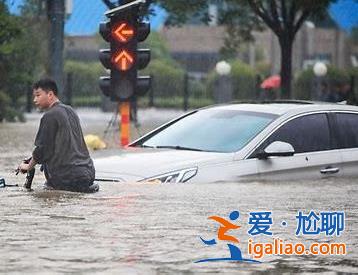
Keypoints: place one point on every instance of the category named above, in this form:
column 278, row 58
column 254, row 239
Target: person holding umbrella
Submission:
column 269, row 84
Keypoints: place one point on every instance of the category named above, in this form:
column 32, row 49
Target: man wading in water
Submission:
column 59, row 144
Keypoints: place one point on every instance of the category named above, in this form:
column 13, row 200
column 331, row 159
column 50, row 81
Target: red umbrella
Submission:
column 271, row 82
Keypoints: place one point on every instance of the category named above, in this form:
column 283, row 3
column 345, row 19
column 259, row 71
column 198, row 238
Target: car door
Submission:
column 314, row 158
column 346, row 134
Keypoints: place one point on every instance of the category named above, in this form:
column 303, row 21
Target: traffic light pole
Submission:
column 124, row 110
column 124, row 30
column 56, row 16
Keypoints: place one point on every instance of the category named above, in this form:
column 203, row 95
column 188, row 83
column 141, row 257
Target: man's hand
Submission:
column 23, row 167
column 26, row 165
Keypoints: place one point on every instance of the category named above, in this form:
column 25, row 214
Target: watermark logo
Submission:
column 326, row 223
column 222, row 235
column 329, row 223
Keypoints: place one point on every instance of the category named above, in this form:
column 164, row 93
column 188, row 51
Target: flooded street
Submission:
column 132, row 228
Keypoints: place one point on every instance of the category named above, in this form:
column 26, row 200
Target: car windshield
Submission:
column 211, row 130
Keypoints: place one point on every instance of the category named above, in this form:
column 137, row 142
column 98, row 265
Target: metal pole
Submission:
column 124, row 111
column 56, row 15
column 151, row 93
column 319, row 91
column 69, row 89
column 186, row 92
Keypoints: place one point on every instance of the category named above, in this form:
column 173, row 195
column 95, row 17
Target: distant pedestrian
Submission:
column 59, row 144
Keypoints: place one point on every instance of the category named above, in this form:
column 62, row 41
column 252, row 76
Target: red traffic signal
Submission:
column 122, row 32
column 123, row 60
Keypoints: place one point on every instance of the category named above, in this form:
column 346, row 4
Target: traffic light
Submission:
column 124, row 31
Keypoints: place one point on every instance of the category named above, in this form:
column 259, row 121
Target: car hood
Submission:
column 134, row 164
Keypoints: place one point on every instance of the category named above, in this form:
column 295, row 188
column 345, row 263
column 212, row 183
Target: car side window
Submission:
column 308, row 133
column 347, row 133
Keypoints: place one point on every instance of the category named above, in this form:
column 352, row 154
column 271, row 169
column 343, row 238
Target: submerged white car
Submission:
column 267, row 141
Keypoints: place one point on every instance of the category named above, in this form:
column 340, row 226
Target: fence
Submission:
column 192, row 94
column 194, row 91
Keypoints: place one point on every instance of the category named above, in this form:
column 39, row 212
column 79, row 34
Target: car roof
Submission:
column 288, row 106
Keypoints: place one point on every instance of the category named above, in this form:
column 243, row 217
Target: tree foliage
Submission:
column 354, row 35
column 23, row 40
column 9, row 31
column 285, row 18
column 241, row 17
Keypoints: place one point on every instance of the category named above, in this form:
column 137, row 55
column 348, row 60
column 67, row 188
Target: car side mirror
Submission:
column 277, row 149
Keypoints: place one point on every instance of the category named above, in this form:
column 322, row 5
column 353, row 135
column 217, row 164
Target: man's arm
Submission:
column 45, row 139
column 44, row 143
column 24, row 167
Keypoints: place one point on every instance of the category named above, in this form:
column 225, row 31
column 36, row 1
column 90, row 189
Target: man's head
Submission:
column 45, row 93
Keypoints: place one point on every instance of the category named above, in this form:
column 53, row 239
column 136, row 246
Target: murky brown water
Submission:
column 154, row 229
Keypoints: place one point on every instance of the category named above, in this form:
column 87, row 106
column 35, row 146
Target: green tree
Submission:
column 354, row 35
column 157, row 46
column 283, row 17
column 22, row 54
column 9, row 31
column 29, row 57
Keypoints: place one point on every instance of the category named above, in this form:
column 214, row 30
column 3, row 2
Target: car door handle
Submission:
column 330, row 170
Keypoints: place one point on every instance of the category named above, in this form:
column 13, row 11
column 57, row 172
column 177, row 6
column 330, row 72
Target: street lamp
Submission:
column 223, row 68
column 320, row 70
column 223, row 84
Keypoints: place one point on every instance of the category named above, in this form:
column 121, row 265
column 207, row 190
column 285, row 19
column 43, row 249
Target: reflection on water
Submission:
column 145, row 228
column 155, row 228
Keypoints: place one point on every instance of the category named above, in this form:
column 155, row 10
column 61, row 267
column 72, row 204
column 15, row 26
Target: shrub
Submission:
column 85, row 77
column 244, row 80
column 4, row 101
column 263, row 69
column 304, row 84
column 167, row 78
column 197, row 90
column 7, row 112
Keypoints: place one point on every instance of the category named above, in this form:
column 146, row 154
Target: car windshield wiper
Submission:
column 177, row 147
column 145, row 146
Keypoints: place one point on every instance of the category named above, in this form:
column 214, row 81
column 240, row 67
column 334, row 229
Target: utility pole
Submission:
column 56, row 16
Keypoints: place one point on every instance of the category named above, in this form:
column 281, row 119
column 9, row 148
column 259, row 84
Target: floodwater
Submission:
column 132, row 228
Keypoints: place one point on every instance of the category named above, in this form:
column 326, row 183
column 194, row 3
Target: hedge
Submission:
column 167, row 78
column 304, row 84
column 85, row 77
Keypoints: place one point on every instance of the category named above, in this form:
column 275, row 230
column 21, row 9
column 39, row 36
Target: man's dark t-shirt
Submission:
column 61, row 149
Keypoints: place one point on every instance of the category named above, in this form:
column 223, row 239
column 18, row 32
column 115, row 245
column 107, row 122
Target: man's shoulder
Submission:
column 59, row 108
column 56, row 111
